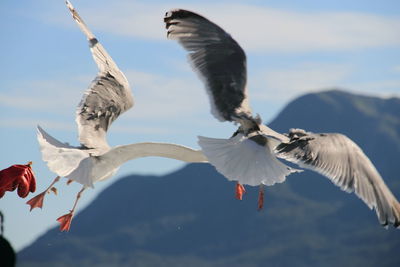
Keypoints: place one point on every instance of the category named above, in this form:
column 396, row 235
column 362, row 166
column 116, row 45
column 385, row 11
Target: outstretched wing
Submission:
column 217, row 58
column 111, row 160
column 107, row 97
column 346, row 165
column 121, row 154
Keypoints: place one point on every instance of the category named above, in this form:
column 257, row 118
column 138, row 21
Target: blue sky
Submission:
column 293, row 47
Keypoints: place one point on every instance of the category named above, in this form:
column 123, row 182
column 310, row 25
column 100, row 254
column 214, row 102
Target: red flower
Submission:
column 65, row 221
column 240, row 191
column 17, row 176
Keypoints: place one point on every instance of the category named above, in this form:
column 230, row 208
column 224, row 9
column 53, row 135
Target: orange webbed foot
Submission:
column 261, row 197
column 65, row 221
column 37, row 201
column 239, row 191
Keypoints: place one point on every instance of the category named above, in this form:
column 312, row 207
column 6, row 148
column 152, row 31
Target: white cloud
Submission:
column 279, row 30
column 259, row 29
column 157, row 97
column 288, row 83
column 137, row 129
column 70, row 126
column 396, row 69
column 163, row 97
column 56, row 96
column 382, row 88
column 32, row 123
column 283, row 84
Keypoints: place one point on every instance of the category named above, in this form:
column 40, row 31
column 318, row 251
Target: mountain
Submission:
column 190, row 217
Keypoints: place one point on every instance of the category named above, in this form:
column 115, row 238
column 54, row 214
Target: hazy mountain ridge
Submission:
column 190, row 217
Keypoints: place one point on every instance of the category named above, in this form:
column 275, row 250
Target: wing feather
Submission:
column 121, row 154
column 345, row 164
column 108, row 96
column 217, row 58
column 61, row 158
column 108, row 162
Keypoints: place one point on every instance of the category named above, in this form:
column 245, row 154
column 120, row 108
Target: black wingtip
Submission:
column 386, row 224
column 69, row 5
column 177, row 13
column 180, row 14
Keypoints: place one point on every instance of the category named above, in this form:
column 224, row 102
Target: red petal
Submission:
column 240, row 191
column 36, row 202
column 65, row 221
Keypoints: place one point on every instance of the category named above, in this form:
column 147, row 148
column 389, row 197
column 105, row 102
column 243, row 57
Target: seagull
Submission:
column 250, row 155
column 108, row 96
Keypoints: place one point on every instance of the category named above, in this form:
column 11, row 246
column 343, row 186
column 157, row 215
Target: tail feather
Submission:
column 243, row 160
column 83, row 173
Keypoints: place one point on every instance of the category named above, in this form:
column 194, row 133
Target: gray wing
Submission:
column 107, row 97
column 217, row 58
column 346, row 165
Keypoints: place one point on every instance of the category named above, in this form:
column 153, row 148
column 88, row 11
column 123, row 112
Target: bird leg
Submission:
column 261, row 197
column 239, row 191
column 65, row 220
column 78, row 196
column 37, row 201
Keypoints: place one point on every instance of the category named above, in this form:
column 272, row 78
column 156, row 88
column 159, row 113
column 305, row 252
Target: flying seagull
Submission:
column 250, row 155
column 108, row 96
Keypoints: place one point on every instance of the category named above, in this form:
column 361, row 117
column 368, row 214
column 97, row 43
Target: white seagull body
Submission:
column 249, row 156
column 108, row 96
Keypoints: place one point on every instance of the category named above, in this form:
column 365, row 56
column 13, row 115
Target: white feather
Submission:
column 90, row 171
column 86, row 168
column 61, row 158
column 243, row 160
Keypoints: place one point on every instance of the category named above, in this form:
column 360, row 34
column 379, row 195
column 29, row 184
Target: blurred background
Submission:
column 293, row 48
